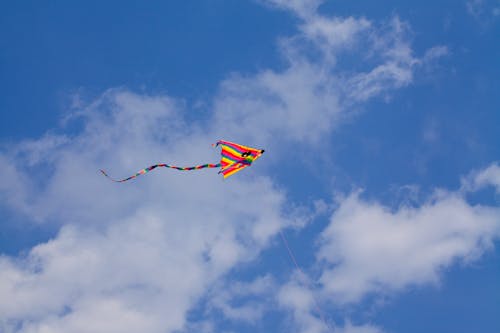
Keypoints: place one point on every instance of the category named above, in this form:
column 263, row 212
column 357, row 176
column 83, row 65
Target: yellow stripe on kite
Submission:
column 232, row 172
column 227, row 160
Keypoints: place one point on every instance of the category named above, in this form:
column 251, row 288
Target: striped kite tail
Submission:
column 146, row 170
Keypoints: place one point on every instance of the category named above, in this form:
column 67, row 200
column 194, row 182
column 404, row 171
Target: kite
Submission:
column 234, row 158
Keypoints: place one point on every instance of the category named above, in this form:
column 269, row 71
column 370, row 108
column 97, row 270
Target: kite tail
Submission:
column 146, row 170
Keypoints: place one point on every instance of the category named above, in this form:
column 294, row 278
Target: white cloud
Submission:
column 369, row 248
column 350, row 328
column 301, row 8
column 308, row 99
column 244, row 301
column 397, row 62
column 136, row 250
column 297, row 105
column 301, row 302
column 489, row 176
column 474, row 7
column 484, row 11
column 308, row 314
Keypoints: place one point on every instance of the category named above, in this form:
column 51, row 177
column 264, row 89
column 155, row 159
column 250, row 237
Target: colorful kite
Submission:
column 234, row 158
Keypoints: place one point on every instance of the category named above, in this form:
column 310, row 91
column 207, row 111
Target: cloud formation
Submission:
column 369, row 248
column 309, row 316
column 484, row 11
column 308, row 99
column 126, row 256
column 136, row 251
column 477, row 180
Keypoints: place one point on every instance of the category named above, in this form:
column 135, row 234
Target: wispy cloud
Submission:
column 313, row 94
column 479, row 179
column 484, row 11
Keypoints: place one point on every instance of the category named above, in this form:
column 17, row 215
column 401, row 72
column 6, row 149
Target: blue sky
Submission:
column 381, row 127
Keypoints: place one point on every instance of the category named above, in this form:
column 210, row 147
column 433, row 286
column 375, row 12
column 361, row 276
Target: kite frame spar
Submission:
column 234, row 158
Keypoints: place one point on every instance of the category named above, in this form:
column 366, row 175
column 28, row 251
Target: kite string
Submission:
column 294, row 260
